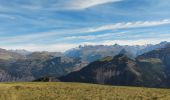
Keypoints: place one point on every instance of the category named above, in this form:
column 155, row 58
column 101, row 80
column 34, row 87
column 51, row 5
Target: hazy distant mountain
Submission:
column 152, row 47
column 6, row 55
column 91, row 53
column 22, row 52
column 16, row 67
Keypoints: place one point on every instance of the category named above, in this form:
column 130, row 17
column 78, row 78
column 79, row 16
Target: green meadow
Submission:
column 78, row 91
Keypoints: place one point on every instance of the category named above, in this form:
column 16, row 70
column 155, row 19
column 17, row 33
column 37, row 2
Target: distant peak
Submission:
column 116, row 44
column 163, row 42
column 123, row 52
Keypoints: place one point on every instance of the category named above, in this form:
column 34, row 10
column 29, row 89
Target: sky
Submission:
column 59, row 25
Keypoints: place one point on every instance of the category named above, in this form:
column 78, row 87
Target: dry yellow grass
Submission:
column 78, row 91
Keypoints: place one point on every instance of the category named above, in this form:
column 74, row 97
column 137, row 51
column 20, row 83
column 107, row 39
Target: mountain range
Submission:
column 18, row 67
column 91, row 53
column 151, row 69
column 146, row 65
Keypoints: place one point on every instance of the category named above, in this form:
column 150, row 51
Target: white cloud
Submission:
column 134, row 42
column 40, row 35
column 129, row 42
column 89, row 37
column 123, row 25
column 130, row 25
column 83, row 4
column 38, row 47
column 58, row 34
column 62, row 47
column 118, row 35
column 56, row 5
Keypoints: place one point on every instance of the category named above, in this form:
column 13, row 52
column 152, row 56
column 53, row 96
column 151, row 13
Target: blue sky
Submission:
column 58, row 25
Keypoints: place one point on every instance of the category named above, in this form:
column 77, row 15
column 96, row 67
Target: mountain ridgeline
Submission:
column 92, row 53
column 146, row 66
column 18, row 67
column 151, row 69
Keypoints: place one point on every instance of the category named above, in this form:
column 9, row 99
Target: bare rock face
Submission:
column 117, row 71
column 5, row 77
column 121, row 70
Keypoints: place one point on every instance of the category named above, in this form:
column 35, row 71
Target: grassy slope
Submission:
column 77, row 91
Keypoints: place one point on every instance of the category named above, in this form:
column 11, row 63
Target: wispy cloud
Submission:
column 62, row 47
column 76, row 33
column 40, row 47
column 35, row 24
column 131, row 42
column 126, row 25
column 83, row 4
column 52, row 5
